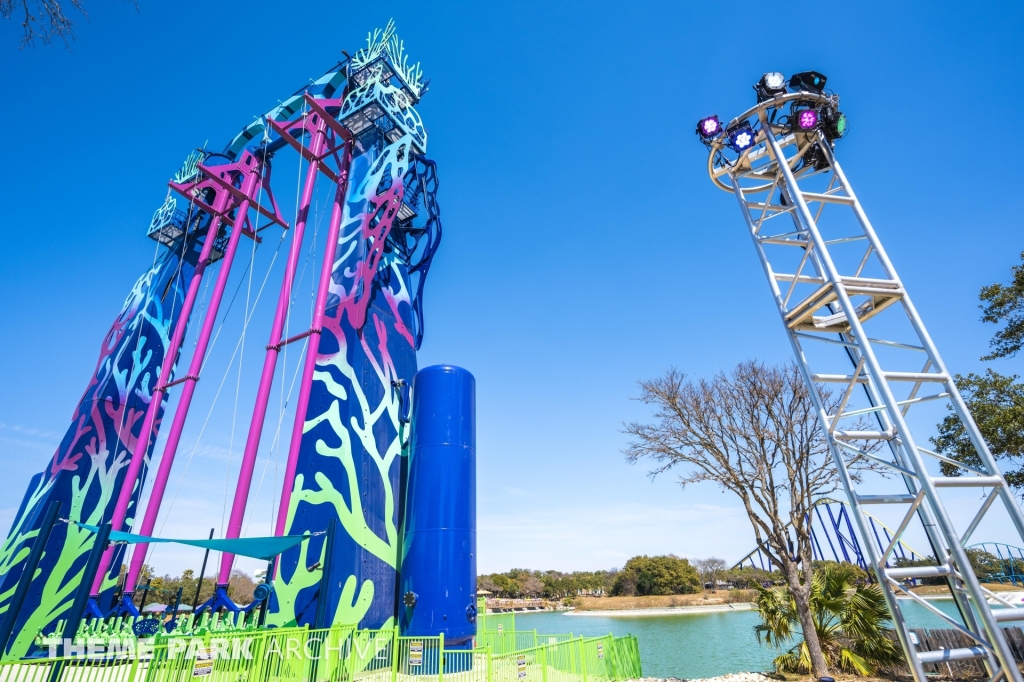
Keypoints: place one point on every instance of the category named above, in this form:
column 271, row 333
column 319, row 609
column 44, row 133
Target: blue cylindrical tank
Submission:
column 438, row 571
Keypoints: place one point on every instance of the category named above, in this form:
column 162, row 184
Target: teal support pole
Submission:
column 325, row 584
column 202, row 574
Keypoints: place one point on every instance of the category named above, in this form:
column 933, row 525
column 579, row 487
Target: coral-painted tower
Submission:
column 345, row 461
column 356, row 128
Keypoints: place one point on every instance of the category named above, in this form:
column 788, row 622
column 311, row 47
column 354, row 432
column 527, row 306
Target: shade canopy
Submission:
column 265, row 548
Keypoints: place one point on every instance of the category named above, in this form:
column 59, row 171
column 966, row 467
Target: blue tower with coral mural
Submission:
column 349, row 461
column 354, row 443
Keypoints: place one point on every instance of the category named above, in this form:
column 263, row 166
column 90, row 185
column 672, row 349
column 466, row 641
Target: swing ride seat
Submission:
column 124, row 607
column 220, row 599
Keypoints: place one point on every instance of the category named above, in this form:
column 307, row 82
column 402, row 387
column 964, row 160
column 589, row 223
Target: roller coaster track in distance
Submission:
column 1009, row 558
column 833, row 539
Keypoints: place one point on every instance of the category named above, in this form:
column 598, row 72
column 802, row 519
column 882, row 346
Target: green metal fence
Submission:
column 499, row 622
column 595, row 659
column 339, row 654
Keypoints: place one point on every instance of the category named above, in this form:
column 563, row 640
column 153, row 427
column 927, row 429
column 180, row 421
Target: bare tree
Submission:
column 716, row 567
column 241, row 586
column 755, row 432
column 533, row 586
column 45, row 19
column 700, row 565
column 709, row 570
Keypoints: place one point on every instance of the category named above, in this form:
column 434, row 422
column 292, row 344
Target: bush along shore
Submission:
column 722, row 599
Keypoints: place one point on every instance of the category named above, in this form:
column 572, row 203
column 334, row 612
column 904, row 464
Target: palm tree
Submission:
column 849, row 618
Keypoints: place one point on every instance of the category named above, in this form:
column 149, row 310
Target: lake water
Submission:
column 695, row 645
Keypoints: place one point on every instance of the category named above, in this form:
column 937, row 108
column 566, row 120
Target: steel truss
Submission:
column 831, row 279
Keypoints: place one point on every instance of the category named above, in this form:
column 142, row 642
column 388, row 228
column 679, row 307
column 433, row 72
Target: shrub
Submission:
column 849, row 617
column 644, row 575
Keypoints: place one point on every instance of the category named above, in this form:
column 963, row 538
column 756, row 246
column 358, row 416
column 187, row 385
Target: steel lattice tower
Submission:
column 854, row 329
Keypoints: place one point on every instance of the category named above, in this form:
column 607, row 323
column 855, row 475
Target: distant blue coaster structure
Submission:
column 833, row 538
column 1010, row 560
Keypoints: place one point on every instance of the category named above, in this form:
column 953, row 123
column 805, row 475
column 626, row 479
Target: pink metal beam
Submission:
column 240, row 195
column 313, row 348
column 259, row 413
column 304, row 151
column 170, row 357
column 249, row 186
column 319, row 106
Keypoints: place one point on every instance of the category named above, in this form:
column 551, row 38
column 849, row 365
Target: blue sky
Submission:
column 584, row 247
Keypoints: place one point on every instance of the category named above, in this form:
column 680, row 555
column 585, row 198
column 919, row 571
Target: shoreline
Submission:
column 728, row 677
column 665, row 611
column 1010, row 596
column 736, row 606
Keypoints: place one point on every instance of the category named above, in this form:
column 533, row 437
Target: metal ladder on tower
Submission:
column 831, row 279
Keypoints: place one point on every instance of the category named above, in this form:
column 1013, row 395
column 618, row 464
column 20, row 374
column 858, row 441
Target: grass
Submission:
column 663, row 601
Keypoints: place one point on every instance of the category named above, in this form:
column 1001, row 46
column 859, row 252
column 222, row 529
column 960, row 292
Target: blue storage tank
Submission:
column 438, row 570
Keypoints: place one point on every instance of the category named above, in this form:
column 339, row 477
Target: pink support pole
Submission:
column 259, row 413
column 314, row 341
column 181, row 413
column 142, row 444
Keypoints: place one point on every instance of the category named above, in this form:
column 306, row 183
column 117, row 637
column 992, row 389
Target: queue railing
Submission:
column 338, row 654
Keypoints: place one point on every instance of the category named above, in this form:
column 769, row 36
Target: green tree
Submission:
column 1004, row 304
column 906, row 562
column 849, row 618
column 857, row 574
column 748, row 577
column 995, row 401
column 555, row 584
column 506, row 586
column 164, row 589
column 644, row 575
column 997, row 404
column 985, row 565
